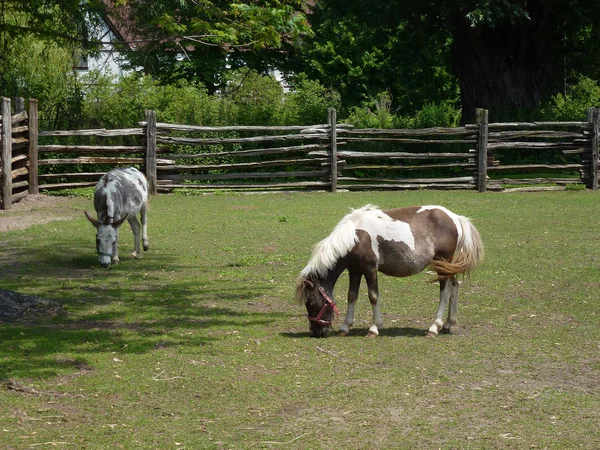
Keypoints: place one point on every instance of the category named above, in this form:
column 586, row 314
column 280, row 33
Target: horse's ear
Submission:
column 309, row 283
column 119, row 222
column 91, row 219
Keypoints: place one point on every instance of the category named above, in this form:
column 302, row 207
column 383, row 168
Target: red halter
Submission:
column 328, row 302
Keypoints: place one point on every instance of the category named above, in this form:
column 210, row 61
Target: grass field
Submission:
column 200, row 345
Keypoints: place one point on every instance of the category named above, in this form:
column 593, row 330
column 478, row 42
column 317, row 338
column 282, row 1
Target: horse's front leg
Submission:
column 144, row 217
column 115, row 256
column 373, row 287
column 453, row 309
column 446, row 287
column 353, row 288
column 135, row 227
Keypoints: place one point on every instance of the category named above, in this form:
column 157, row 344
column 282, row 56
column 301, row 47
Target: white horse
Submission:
column 397, row 242
column 120, row 194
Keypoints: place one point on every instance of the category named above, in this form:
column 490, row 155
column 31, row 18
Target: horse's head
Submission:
column 319, row 305
column 107, row 236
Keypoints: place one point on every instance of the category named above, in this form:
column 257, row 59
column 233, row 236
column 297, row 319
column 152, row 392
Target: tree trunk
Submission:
column 504, row 67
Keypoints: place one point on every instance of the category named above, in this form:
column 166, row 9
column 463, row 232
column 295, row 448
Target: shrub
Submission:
column 573, row 104
column 308, row 101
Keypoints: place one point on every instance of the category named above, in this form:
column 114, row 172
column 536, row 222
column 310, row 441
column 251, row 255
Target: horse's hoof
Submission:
column 431, row 334
column 342, row 333
column 146, row 247
column 372, row 334
column 445, row 331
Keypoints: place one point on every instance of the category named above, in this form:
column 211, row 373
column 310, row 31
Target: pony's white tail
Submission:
column 468, row 254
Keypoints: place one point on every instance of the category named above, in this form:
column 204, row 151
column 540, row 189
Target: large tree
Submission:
column 506, row 54
column 199, row 40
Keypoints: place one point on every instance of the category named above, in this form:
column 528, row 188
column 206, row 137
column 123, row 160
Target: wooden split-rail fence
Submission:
column 330, row 156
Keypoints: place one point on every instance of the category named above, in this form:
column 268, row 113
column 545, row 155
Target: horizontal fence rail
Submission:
column 330, row 156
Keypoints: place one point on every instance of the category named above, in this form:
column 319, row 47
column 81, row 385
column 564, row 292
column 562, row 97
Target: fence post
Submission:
column 33, row 146
column 331, row 119
column 151, row 151
column 482, row 156
column 595, row 119
column 6, row 157
column 19, row 105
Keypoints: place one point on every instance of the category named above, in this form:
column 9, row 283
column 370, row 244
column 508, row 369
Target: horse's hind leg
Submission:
column 353, row 288
column 445, row 292
column 374, row 299
column 453, row 309
column 135, row 227
column 144, row 217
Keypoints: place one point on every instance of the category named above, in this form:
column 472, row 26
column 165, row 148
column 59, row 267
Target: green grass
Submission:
column 199, row 344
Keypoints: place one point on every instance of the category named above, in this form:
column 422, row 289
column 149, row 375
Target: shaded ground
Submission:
column 36, row 210
column 32, row 210
column 16, row 306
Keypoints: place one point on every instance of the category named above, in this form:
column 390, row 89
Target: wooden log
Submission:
column 20, row 129
column 499, row 125
column 99, row 132
column 244, row 176
column 595, row 145
column 165, row 184
column 56, row 186
column 239, row 128
column 33, row 146
column 17, row 185
column 482, row 149
column 18, row 172
column 91, row 160
column 536, row 180
column 532, row 145
column 18, row 196
column 71, row 175
column 5, row 155
column 470, row 180
column 373, row 187
column 19, row 117
column 537, row 134
column 150, row 157
column 471, row 165
column 17, row 158
column 127, row 149
column 394, row 155
column 254, row 152
column 426, row 132
column 538, row 166
column 535, row 189
column 251, row 165
column 409, row 141
column 247, row 140
column 331, row 120
column 574, row 151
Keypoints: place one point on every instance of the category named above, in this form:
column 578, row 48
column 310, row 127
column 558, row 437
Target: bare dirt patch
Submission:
column 37, row 209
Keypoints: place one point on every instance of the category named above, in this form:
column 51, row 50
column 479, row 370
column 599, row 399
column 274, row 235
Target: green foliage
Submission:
column 573, row 105
column 213, row 36
column 34, row 68
column 378, row 114
column 308, row 101
column 249, row 99
column 256, row 99
column 437, row 115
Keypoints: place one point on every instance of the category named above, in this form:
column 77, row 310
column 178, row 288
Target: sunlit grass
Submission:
column 199, row 344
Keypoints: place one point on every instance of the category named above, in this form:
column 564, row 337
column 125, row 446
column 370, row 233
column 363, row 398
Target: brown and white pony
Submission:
column 398, row 242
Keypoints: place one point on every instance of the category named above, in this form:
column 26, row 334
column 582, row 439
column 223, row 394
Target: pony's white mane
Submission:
column 337, row 245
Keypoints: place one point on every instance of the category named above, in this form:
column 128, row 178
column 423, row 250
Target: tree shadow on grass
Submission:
column 138, row 306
